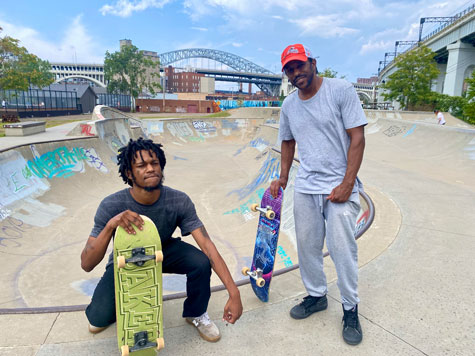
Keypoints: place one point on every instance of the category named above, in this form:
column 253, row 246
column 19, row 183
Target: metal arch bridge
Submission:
column 246, row 70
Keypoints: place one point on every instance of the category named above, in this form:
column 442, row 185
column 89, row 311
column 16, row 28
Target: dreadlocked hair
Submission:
column 126, row 156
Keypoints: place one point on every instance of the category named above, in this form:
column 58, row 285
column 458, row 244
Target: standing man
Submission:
column 440, row 117
column 325, row 119
column 141, row 165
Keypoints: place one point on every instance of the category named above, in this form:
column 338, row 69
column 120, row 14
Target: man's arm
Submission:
column 233, row 308
column 96, row 247
column 286, row 157
column 355, row 156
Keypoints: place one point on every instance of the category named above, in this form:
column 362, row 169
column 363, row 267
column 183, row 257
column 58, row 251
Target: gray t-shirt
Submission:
column 318, row 125
column 173, row 209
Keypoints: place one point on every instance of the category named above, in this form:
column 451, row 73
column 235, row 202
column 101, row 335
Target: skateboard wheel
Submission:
column 270, row 214
column 160, row 343
column 121, row 262
column 158, row 256
column 245, row 270
column 125, row 350
column 260, row 282
column 254, row 207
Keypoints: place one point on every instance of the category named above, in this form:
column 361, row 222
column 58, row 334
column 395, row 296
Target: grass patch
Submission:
column 214, row 115
column 219, row 114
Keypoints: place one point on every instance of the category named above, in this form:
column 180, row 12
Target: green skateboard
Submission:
column 138, row 290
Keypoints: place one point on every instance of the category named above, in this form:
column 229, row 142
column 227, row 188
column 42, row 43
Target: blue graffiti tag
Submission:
column 57, row 163
column 270, row 170
column 244, row 207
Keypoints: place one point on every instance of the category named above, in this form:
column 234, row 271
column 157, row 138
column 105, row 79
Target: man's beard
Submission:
column 149, row 189
column 306, row 85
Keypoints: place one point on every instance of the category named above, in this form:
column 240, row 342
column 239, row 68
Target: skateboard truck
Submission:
column 141, row 341
column 256, row 275
column 139, row 257
column 267, row 211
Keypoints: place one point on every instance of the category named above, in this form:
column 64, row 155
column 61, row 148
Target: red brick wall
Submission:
column 174, row 106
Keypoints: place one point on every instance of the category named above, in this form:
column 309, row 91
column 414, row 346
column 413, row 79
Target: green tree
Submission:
column 129, row 71
column 20, row 69
column 410, row 84
column 469, row 110
column 329, row 73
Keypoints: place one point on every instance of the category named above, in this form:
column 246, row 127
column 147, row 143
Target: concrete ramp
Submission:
column 51, row 191
column 416, row 261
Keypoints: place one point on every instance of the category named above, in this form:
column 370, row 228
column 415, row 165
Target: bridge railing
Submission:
column 448, row 23
column 456, row 18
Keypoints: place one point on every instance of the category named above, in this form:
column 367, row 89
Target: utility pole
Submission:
column 424, row 20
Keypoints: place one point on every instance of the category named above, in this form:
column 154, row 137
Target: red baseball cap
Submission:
column 295, row 52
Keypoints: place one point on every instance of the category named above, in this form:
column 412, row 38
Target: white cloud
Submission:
column 76, row 44
column 372, row 46
column 125, row 8
column 202, row 29
column 323, row 26
column 235, row 44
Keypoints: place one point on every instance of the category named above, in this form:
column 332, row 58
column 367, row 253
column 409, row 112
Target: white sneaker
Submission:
column 207, row 329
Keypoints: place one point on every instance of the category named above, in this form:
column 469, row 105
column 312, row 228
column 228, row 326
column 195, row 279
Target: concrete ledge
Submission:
column 24, row 128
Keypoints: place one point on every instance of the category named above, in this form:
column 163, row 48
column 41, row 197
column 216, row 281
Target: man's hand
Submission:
column 341, row 193
column 126, row 219
column 276, row 185
column 96, row 247
column 232, row 310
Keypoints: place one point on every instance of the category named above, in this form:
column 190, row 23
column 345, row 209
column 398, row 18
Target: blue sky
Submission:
column 348, row 36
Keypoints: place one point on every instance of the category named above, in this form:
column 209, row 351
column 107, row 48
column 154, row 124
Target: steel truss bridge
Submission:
column 242, row 70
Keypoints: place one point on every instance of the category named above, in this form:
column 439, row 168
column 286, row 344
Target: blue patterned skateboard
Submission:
column 265, row 248
column 138, row 290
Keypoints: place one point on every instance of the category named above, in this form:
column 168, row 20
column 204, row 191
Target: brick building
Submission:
column 370, row 80
column 182, row 82
column 174, row 106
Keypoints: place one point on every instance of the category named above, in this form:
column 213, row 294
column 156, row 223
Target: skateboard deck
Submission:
column 267, row 238
column 138, row 290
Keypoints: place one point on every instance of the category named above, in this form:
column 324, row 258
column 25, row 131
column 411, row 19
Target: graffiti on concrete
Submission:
column 270, row 170
column 179, row 129
column 361, row 221
column 284, row 257
column 93, row 160
column 258, row 143
column 12, row 230
column 244, row 207
column 4, row 212
column 227, row 124
column 59, row 163
column 203, row 126
column 87, row 130
column 394, row 130
column 62, row 162
column 155, row 127
column 16, row 180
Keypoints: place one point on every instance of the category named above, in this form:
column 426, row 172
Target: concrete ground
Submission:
column 416, row 263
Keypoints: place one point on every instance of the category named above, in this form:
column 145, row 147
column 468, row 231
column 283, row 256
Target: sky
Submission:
column 348, row 36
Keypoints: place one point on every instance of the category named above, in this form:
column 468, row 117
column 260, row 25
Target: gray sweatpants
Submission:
column 317, row 218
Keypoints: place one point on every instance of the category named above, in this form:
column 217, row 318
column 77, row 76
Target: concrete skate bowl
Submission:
column 445, row 153
column 50, row 193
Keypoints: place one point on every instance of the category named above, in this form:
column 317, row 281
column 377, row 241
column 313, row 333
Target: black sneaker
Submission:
column 308, row 306
column 352, row 333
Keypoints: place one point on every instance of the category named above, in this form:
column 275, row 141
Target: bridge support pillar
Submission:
column 461, row 56
column 438, row 84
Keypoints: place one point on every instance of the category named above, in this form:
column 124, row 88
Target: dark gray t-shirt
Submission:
column 318, row 126
column 173, row 209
